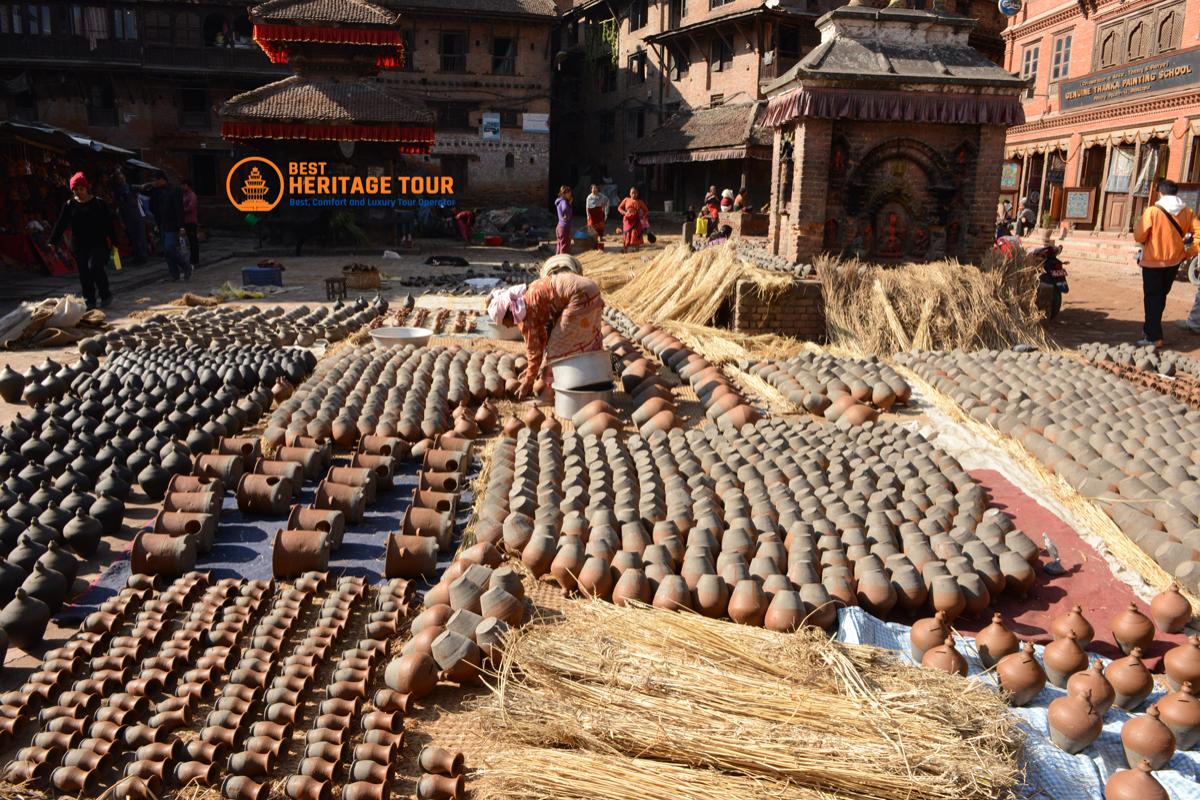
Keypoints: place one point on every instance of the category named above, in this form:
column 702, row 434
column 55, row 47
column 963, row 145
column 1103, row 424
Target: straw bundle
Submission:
column 681, row 285
column 1099, row 524
column 609, row 269
column 937, row 306
column 535, row 773
column 799, row 709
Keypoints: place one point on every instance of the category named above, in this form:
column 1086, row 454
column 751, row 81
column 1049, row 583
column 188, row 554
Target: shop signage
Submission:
column 1009, row 8
column 1152, row 76
column 491, row 127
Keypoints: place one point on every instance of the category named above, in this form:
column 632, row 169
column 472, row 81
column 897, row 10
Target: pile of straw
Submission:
column 610, row 269
column 801, row 715
column 684, row 286
column 937, row 306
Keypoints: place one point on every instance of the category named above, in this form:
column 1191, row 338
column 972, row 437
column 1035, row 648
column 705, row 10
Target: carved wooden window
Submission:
column 1136, row 44
column 1110, row 54
column 1170, row 26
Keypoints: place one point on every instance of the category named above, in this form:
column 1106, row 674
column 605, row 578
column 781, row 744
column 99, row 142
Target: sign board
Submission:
column 1079, row 205
column 490, row 131
column 536, row 123
column 1151, row 76
column 1010, row 176
column 1009, row 8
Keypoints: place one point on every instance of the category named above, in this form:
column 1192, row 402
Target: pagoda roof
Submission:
column 357, row 13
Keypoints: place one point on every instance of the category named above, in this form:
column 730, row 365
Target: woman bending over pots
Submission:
column 558, row 316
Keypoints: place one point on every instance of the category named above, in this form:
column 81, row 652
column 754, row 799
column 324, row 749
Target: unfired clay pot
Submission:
column 1063, row 658
column 1134, row 784
column 1170, row 610
column 946, row 658
column 1131, row 628
column 1092, row 682
column 1180, row 711
column 1146, row 737
column 1021, row 676
column 1131, row 681
column 995, row 642
column 1074, row 723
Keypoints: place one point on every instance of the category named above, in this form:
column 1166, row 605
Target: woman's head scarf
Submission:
column 562, row 262
column 510, row 299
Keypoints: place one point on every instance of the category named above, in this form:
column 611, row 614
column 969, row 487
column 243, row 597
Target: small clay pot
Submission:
column 440, row 761
column 1063, row 658
column 303, row 787
column 1130, row 680
column 1021, row 676
column 1073, row 622
column 747, row 603
column 239, row 787
column 294, row 553
column 1074, row 723
column 926, row 634
column 415, row 675
column 1147, row 738
column 1182, row 663
column 1134, row 784
column 995, row 642
column 1180, row 711
column 440, row 787
column 1131, row 628
column 946, row 658
column 1093, row 683
column 1170, row 610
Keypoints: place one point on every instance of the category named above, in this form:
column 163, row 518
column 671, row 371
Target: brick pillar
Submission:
column 981, row 223
column 777, row 202
column 814, row 138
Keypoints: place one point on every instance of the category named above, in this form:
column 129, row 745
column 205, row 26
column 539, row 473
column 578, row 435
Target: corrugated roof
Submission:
column 705, row 128
column 529, row 8
column 324, row 100
column 345, row 12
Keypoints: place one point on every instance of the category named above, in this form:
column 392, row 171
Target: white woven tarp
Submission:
column 1051, row 773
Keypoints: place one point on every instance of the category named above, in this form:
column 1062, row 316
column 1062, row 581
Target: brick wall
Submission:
column 798, row 311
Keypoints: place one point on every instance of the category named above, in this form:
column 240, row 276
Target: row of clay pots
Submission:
column 876, row 517
column 222, row 326
column 106, row 704
column 406, row 392
column 327, row 744
column 808, row 377
column 1130, row 450
column 654, row 407
column 1184, row 387
column 428, row 525
column 441, row 774
column 467, row 614
column 1162, row 362
column 438, row 320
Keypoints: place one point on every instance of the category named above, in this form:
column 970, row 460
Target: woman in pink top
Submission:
column 191, row 221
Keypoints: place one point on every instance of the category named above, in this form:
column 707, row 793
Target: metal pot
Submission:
column 584, row 369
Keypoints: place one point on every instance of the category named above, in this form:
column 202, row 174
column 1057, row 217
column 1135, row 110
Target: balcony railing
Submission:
column 23, row 49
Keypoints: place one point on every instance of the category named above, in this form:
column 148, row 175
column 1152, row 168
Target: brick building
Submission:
column 145, row 75
column 473, row 62
column 888, row 140
column 1113, row 104
column 698, row 69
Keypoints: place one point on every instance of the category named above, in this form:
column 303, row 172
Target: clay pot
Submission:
column 332, row 522
column 24, row 620
column 1131, row 628
column 350, row 500
column 162, row 554
column 672, row 594
column 1134, row 784
column 414, row 674
column 926, row 634
column 83, row 534
column 440, row 787
column 1147, row 738
column 1170, row 610
column 1182, row 663
column 1180, row 711
column 632, row 586
column 995, row 642
column 239, row 787
column 711, row 596
column 595, row 578
column 1073, row 622
column 946, row 595
column 1074, row 723
column 264, row 494
column 747, row 603
column 1130, row 680
column 1063, row 658
column 946, row 658
column 410, row 557
column 203, row 527
column 1021, row 676
column 11, row 384
column 1093, row 683
column 786, row 612
column 440, row 761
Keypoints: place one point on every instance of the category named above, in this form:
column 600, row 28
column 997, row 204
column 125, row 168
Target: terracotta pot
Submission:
column 350, row 500
column 303, row 787
column 317, row 768
column 333, row 522
column 440, row 761
column 995, row 642
column 202, row 527
column 1073, row 622
column 1134, row 784
column 1074, row 723
column 786, row 612
column 440, row 787
column 362, row 790
column 290, row 471
column 1092, row 682
column 1170, row 610
column 247, row 448
column 1147, row 738
column 1182, row 663
column 440, row 481
column 294, row 553
column 632, row 587
column 410, row 557
column 946, row 658
column 239, row 787
column 1131, row 628
column 137, row 788
column 672, row 594
column 264, row 494
column 1021, row 676
column 568, row 563
column 227, row 468
column 1063, row 658
column 928, row 633
column 1130, row 680
column 711, row 596
column 595, row 579
column 430, row 523
column 414, row 675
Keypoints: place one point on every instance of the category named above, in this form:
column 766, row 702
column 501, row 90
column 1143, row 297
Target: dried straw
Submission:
column 610, row 270
column 691, row 691
column 1099, row 524
column 937, row 306
column 535, row 773
column 681, row 285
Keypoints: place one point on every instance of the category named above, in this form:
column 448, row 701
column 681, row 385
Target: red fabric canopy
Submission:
column 273, row 40
column 412, row 140
column 884, row 106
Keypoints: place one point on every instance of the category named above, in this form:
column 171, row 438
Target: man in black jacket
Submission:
column 166, row 203
column 90, row 223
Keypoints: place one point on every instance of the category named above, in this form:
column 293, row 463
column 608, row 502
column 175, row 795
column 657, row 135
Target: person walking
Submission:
column 634, row 214
column 90, row 223
column 563, row 206
column 166, row 203
column 191, row 222
column 1167, row 232
column 597, row 214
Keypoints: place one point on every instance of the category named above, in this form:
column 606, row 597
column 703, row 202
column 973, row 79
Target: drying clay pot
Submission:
column 1131, row 628
column 440, row 761
column 1147, row 738
column 1170, row 610
column 1074, row 723
column 410, row 557
column 946, row 658
column 1180, row 711
column 926, row 634
column 1021, row 676
column 162, row 554
column 1134, row 784
column 1093, row 683
column 294, row 553
column 995, row 642
column 1063, row 658
column 1073, row 622
column 1131, row 681
column 1182, row 663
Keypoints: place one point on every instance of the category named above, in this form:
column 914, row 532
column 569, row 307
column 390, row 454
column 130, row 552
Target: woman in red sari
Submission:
column 558, row 316
column 633, row 215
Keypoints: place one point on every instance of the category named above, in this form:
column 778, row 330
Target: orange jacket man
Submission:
column 1167, row 232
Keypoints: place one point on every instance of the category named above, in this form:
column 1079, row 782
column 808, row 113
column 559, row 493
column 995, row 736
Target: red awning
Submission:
column 884, row 106
column 273, row 40
column 413, row 140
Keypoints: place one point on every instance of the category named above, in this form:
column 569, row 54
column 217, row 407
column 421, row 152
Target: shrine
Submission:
column 888, row 140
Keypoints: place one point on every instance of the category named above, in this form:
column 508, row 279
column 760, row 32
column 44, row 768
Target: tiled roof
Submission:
column 345, row 12
column 325, row 101
column 529, row 8
column 706, row 128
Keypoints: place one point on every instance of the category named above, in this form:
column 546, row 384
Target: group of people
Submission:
column 1025, row 220
column 93, row 234
column 634, row 213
